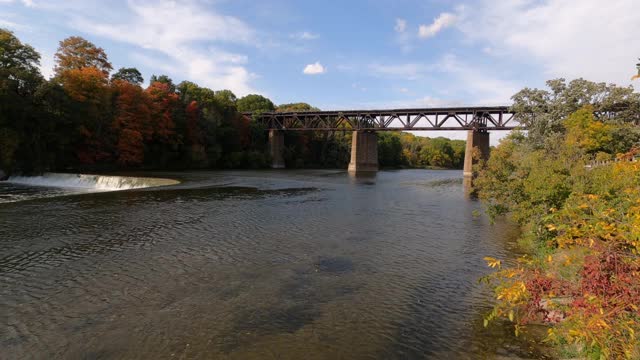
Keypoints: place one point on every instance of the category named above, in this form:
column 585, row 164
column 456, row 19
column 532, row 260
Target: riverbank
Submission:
column 581, row 225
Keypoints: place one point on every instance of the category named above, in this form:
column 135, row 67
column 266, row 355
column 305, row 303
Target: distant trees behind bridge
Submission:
column 90, row 117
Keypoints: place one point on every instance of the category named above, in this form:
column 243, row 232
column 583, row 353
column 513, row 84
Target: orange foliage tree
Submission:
column 132, row 122
column 76, row 53
column 164, row 103
column 87, row 84
column 89, row 88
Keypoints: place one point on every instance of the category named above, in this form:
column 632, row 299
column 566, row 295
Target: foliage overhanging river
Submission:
column 252, row 264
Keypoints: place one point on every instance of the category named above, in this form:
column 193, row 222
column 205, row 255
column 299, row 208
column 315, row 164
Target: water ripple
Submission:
column 237, row 265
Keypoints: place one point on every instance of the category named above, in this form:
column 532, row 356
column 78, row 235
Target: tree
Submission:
column 164, row 103
column 296, row 107
column 254, row 103
column 542, row 111
column 585, row 132
column 389, row 150
column 226, row 98
column 165, row 80
column 132, row 123
column 75, row 53
column 437, row 152
column 19, row 80
column 86, row 84
column 89, row 89
column 18, row 61
column 130, row 148
column 131, row 75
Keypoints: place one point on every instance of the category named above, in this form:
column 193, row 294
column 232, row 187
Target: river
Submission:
column 252, row 265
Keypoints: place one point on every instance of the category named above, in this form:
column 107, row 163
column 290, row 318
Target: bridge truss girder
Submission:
column 476, row 118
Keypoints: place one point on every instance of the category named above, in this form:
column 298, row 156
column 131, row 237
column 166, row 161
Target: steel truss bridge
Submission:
column 447, row 118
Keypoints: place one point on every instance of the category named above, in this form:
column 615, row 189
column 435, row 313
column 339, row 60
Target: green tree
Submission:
column 389, row 150
column 296, row 107
column 19, row 80
column 254, row 103
column 437, row 152
column 131, row 75
column 542, row 111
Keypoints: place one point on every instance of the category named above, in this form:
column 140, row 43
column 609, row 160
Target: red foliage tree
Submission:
column 164, row 104
column 130, row 147
column 132, row 123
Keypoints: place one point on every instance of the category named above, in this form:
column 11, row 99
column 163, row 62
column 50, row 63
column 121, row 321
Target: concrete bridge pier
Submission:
column 276, row 148
column 364, row 152
column 477, row 149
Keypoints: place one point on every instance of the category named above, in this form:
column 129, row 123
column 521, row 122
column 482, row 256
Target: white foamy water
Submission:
column 19, row 188
column 90, row 182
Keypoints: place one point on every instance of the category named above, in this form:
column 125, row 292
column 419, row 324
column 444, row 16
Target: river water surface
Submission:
column 252, row 265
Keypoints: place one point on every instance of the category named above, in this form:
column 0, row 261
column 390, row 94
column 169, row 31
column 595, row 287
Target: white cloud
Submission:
column 9, row 24
column 568, row 38
column 305, row 35
column 403, row 38
column 481, row 85
column 443, row 21
column 184, row 42
column 401, row 25
column 28, row 3
column 314, row 69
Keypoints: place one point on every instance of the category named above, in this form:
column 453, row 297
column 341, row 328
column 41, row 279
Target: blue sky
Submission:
column 349, row 54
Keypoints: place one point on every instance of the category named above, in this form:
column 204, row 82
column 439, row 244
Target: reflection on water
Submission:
column 244, row 265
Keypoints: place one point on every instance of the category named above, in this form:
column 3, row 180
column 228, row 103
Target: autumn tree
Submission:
column 584, row 132
column 131, row 75
column 163, row 104
column 75, row 53
column 82, row 69
column 165, row 80
column 132, row 123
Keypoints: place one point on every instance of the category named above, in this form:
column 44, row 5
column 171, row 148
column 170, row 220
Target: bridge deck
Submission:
column 447, row 118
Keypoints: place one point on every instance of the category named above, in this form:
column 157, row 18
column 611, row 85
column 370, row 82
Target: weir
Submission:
column 90, row 182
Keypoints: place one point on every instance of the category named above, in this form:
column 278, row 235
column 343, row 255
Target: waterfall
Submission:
column 90, row 182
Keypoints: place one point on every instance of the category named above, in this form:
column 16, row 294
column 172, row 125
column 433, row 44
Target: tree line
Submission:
column 88, row 117
column 580, row 222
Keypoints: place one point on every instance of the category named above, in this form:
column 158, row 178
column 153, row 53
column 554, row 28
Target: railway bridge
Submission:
column 477, row 121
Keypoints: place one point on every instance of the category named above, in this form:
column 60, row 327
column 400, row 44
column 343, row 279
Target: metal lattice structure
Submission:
column 453, row 118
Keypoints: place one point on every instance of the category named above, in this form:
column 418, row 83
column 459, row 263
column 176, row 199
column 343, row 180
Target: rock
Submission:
column 3, row 176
